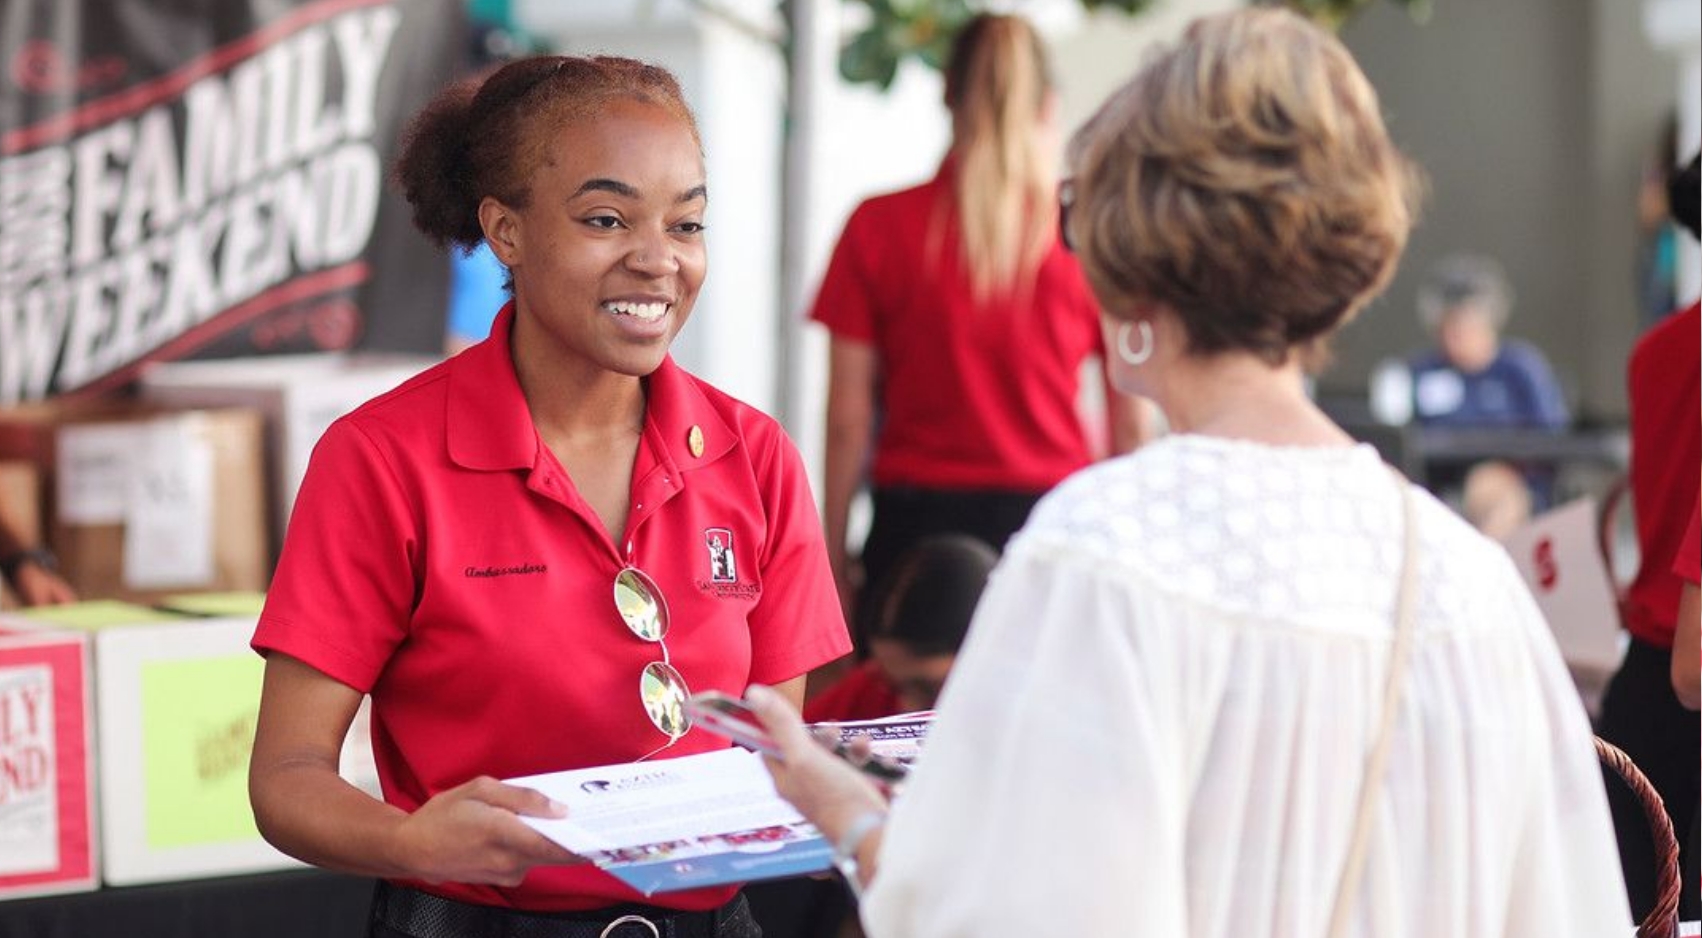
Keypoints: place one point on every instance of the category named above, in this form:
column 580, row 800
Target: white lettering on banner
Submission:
column 34, row 232
column 116, row 241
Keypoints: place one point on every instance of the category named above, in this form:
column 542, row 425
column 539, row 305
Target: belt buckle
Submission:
column 609, row 929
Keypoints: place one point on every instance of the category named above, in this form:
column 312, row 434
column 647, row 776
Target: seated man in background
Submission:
column 1473, row 379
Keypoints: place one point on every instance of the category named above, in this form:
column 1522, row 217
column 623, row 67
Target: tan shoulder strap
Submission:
column 1377, row 760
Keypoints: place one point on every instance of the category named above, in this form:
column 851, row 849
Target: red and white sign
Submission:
column 47, row 829
column 1556, row 553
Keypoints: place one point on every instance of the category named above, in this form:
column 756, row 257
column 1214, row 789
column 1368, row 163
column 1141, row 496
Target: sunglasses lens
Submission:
column 665, row 693
column 640, row 605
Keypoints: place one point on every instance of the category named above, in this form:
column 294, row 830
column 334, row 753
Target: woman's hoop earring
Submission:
column 1134, row 356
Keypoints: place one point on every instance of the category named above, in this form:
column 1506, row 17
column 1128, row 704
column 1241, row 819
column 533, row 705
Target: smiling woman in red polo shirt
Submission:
column 527, row 554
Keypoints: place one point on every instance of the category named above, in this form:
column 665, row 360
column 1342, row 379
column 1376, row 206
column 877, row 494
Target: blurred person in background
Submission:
column 1640, row 712
column 1687, row 637
column 1659, row 240
column 960, row 326
column 1475, row 379
column 1163, row 718
column 31, row 571
column 1496, row 499
column 479, row 284
column 918, row 615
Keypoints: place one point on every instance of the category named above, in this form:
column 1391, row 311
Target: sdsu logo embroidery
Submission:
column 723, row 582
column 723, row 566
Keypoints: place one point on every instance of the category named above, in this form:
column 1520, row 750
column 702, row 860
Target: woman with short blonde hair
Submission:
column 1244, row 680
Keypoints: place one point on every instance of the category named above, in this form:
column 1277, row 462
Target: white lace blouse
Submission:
column 1158, row 724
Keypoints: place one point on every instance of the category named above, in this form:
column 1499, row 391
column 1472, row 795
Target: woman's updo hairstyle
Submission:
column 1244, row 178
column 485, row 138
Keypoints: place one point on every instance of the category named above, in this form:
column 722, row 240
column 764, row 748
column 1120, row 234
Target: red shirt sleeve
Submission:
column 846, row 301
column 1688, row 564
column 349, row 561
column 798, row 624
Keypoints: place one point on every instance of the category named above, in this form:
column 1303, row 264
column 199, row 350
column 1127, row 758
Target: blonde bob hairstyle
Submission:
column 1244, row 179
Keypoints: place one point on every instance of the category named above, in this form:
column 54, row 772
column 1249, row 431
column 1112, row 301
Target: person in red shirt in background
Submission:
column 959, row 327
column 918, row 615
column 1687, row 640
column 1640, row 713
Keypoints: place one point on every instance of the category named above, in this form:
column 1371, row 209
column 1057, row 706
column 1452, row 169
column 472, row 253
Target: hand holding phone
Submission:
column 729, row 716
column 726, row 715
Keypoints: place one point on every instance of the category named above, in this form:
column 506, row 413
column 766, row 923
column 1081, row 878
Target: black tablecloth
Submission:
column 311, row 903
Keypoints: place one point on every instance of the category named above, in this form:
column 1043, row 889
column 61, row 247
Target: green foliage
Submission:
column 1334, row 14
column 923, row 29
column 899, row 29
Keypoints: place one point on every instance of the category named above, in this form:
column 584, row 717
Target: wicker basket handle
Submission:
column 1662, row 920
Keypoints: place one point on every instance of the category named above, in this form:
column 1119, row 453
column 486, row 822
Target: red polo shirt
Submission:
column 440, row 559
column 1665, row 383
column 973, row 395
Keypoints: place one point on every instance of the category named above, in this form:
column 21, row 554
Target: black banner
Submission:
column 209, row 178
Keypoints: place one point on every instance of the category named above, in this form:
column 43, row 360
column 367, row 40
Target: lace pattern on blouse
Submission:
column 1258, row 530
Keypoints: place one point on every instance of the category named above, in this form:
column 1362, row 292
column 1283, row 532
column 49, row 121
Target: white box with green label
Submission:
column 175, row 708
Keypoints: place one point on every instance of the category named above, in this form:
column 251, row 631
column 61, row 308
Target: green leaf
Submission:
column 869, row 57
column 1130, row 7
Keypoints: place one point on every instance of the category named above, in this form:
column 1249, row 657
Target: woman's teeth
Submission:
column 647, row 312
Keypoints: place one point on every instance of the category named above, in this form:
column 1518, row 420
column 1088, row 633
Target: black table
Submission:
column 304, row 903
column 1609, row 446
column 1432, row 455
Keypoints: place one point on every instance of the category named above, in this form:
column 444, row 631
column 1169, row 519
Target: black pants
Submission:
column 904, row 515
column 1641, row 715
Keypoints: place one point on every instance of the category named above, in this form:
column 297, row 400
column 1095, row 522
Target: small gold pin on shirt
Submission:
column 694, row 440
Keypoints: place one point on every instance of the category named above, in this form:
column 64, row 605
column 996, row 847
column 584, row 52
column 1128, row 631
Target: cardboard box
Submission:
column 48, row 838
column 176, row 701
column 299, row 396
column 145, row 501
